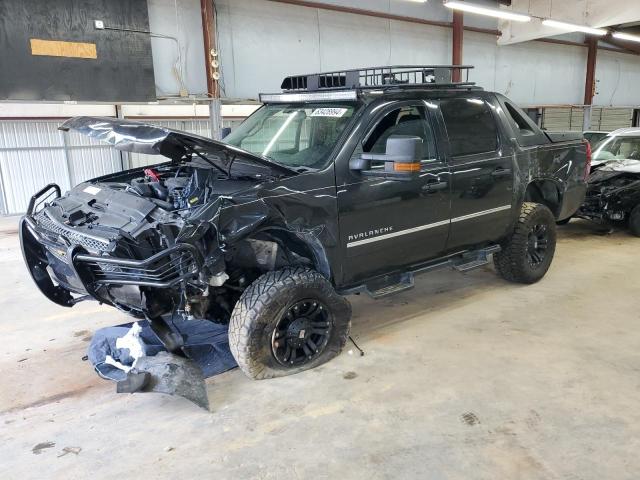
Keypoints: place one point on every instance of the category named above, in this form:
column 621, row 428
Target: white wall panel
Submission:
column 348, row 41
column 180, row 19
column 261, row 42
column 536, row 73
column 617, row 79
column 480, row 50
column 264, row 41
column 405, row 36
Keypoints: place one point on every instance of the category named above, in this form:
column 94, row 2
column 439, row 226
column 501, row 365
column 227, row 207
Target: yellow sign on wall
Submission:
column 56, row 48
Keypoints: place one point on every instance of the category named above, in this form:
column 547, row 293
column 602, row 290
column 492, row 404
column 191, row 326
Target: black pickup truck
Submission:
column 345, row 182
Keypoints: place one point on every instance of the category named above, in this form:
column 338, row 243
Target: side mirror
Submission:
column 400, row 161
column 224, row 131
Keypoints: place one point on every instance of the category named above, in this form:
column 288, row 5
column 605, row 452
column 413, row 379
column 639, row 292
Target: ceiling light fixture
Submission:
column 491, row 12
column 574, row 28
column 626, row 36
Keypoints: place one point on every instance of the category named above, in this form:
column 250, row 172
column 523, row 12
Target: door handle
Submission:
column 435, row 186
column 501, row 172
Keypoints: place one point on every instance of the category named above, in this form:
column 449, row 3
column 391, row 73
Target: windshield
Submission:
column 294, row 135
column 617, row 148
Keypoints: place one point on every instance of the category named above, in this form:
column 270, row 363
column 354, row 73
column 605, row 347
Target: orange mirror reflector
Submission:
column 406, row 167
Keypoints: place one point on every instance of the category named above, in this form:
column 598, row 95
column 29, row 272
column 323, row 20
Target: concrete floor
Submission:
column 465, row 377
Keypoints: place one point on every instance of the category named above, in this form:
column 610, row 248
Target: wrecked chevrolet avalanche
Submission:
column 345, row 182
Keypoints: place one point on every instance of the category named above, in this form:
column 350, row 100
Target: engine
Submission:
column 182, row 189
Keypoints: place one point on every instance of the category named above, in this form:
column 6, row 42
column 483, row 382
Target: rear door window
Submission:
column 471, row 126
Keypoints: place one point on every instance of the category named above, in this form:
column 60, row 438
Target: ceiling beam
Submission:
column 630, row 46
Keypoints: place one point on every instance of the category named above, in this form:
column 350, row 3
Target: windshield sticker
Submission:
column 91, row 190
column 329, row 112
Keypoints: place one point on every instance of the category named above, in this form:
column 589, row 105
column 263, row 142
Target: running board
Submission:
column 390, row 284
column 472, row 260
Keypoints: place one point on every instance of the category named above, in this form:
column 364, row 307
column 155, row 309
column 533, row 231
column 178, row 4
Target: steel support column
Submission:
column 458, row 34
column 590, row 81
column 207, row 10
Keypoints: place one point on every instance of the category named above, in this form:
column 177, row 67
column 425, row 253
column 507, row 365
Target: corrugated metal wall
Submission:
column 608, row 119
column 571, row 118
column 34, row 153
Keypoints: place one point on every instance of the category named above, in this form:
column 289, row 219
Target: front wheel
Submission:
column 288, row 321
column 526, row 256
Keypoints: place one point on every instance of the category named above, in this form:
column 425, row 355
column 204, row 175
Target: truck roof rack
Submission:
column 437, row 76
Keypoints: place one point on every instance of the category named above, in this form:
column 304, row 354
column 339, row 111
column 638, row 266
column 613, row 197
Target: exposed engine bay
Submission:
column 613, row 192
column 133, row 216
column 158, row 242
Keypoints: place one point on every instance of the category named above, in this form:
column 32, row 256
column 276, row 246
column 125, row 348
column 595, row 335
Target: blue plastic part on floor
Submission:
column 206, row 343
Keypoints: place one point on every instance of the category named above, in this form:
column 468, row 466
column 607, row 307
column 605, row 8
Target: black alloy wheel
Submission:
column 537, row 244
column 527, row 254
column 302, row 333
column 288, row 321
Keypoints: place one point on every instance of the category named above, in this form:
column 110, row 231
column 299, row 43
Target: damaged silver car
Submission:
column 613, row 195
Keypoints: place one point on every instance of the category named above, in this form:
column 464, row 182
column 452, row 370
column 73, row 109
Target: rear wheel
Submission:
column 527, row 254
column 288, row 321
column 634, row 221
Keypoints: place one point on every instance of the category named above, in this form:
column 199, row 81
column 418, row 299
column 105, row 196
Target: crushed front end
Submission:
column 148, row 241
column 613, row 192
column 139, row 254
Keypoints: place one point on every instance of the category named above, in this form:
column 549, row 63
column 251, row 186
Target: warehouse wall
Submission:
column 180, row 19
column 34, row 153
column 302, row 39
column 617, row 79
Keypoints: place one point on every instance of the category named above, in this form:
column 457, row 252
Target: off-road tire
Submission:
column 512, row 262
column 263, row 303
column 634, row 221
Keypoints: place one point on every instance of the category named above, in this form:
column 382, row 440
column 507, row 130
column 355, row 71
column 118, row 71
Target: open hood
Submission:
column 138, row 137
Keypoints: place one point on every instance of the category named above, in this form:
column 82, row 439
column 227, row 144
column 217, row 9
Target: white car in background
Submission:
column 622, row 145
column 594, row 136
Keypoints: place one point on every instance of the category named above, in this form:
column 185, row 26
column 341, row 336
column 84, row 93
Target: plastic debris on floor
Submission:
column 132, row 355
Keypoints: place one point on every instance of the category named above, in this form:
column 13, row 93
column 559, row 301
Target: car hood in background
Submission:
column 138, row 137
column 622, row 166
